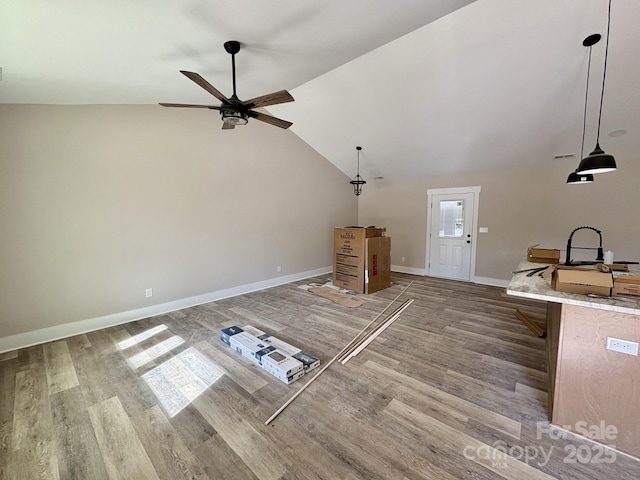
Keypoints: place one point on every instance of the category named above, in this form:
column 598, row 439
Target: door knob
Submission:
column 468, row 241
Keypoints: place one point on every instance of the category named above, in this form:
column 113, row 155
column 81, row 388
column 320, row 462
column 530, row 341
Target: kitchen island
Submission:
column 593, row 391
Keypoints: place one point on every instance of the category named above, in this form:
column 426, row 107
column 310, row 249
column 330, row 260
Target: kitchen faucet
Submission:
column 600, row 256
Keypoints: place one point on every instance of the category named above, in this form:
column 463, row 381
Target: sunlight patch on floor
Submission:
column 129, row 342
column 155, row 351
column 179, row 380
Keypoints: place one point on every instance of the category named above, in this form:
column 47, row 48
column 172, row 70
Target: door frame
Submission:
column 474, row 227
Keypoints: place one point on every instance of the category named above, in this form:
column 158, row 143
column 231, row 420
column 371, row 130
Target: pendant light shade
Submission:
column 598, row 161
column 576, row 178
column 357, row 181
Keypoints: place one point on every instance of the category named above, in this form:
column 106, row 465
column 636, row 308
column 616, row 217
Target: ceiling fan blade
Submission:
column 274, row 98
column 206, row 85
column 263, row 117
column 188, row 105
column 227, row 126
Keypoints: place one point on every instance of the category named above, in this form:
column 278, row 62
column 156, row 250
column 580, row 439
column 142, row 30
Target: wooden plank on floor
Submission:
column 122, row 452
column 171, row 458
column 61, row 374
column 75, row 436
column 235, row 366
column 36, row 461
column 431, row 430
column 242, row 435
column 448, row 401
column 32, row 413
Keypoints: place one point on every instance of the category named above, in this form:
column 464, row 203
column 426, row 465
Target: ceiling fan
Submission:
column 233, row 110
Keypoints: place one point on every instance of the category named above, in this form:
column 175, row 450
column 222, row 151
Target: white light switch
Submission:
column 484, row 230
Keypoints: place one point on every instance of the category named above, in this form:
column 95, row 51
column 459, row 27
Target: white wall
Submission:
column 521, row 207
column 98, row 203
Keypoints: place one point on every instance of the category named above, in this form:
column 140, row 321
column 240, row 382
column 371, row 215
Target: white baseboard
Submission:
column 410, row 270
column 58, row 332
column 493, row 282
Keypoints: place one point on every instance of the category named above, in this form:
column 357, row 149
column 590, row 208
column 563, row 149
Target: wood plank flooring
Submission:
column 455, row 389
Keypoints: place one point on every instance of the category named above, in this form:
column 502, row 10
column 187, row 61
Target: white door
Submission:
column 450, row 235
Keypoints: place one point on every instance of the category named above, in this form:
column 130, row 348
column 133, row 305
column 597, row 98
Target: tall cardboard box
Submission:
column 378, row 267
column 362, row 259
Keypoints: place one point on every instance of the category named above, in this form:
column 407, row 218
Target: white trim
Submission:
column 58, row 332
column 453, row 190
column 474, row 234
column 493, row 282
column 409, row 270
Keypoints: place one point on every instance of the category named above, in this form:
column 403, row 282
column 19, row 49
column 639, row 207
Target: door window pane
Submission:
column 451, row 218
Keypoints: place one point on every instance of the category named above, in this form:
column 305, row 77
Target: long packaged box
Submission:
column 308, row 361
column 626, row 285
column 284, row 361
column 543, row 255
column 574, row 280
column 249, row 346
column 281, row 365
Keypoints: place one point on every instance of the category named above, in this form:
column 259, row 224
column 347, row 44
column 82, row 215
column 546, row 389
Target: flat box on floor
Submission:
column 281, row 364
column 249, row 346
column 626, row 285
column 543, row 255
column 308, row 361
column 574, row 280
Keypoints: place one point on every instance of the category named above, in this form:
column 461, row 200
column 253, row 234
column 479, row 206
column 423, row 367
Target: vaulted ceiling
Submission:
column 425, row 87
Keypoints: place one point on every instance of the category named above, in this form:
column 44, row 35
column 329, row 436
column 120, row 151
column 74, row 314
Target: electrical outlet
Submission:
column 148, row 292
column 278, row 269
column 403, row 259
column 622, row 346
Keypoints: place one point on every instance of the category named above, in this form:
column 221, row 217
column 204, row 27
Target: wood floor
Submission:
column 456, row 381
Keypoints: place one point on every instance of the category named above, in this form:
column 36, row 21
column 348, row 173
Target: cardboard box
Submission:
column 626, row 285
column 543, row 255
column 574, row 280
column 378, row 267
column 362, row 259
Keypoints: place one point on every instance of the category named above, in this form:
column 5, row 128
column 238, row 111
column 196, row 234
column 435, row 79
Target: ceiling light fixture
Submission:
column 233, row 117
column 598, row 161
column 357, row 181
column 574, row 177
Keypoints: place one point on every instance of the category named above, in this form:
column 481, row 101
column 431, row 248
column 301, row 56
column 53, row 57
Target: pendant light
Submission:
column 598, row 161
column 574, row 177
column 357, row 181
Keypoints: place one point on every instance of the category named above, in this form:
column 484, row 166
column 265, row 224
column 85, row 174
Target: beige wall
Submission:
column 98, row 203
column 521, row 207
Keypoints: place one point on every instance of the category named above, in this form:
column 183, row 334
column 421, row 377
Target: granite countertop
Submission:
column 538, row 288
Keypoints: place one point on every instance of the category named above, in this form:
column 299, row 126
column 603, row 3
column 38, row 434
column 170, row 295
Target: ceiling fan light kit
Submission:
column 234, row 111
column 598, row 161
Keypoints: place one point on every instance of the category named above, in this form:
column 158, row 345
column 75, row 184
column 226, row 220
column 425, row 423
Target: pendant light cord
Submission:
column 586, row 96
column 604, row 74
